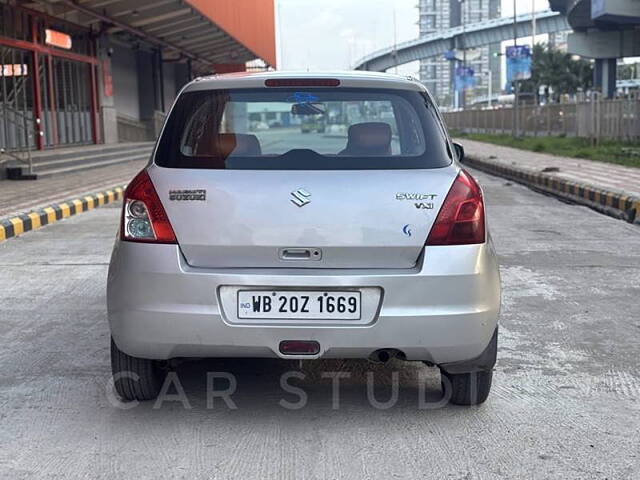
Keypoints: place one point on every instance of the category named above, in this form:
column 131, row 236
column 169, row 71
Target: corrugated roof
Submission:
column 208, row 32
column 251, row 22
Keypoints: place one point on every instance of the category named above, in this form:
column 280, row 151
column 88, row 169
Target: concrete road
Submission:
column 564, row 403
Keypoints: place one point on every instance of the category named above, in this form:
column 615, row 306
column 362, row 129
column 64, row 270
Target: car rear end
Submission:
column 356, row 242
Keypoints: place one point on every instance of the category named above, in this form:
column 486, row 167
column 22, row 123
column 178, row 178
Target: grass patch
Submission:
column 621, row 153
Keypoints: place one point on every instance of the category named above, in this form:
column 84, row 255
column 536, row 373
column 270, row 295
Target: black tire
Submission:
column 468, row 388
column 135, row 378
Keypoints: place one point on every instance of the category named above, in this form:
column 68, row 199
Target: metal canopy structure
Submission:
column 584, row 15
column 469, row 36
column 578, row 12
column 173, row 25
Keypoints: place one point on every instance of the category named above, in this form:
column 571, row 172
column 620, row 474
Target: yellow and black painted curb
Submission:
column 615, row 204
column 25, row 222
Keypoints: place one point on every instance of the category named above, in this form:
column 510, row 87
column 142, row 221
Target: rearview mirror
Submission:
column 307, row 108
column 459, row 151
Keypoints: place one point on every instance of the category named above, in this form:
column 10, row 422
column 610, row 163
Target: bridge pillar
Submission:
column 605, row 75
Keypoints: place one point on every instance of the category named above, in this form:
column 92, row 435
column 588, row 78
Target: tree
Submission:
column 628, row 71
column 558, row 71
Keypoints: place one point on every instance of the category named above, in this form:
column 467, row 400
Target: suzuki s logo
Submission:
column 300, row 197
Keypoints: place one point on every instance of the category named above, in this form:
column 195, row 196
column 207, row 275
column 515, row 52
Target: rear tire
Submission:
column 135, row 378
column 468, row 388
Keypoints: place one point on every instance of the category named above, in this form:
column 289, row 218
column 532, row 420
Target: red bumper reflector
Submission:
column 299, row 347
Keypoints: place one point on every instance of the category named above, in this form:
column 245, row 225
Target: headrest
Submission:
column 370, row 136
column 225, row 144
column 237, row 144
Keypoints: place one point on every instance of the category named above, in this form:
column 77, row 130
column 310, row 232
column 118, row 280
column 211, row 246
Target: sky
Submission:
column 334, row 34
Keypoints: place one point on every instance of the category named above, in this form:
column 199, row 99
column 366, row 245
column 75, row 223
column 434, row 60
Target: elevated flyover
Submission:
column 470, row 36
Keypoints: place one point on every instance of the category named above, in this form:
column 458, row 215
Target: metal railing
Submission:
column 24, row 124
column 595, row 118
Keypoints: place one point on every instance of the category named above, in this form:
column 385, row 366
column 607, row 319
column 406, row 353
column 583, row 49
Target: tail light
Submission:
column 461, row 218
column 143, row 216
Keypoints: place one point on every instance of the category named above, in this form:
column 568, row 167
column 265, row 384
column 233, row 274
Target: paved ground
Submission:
column 564, row 404
column 17, row 196
column 605, row 175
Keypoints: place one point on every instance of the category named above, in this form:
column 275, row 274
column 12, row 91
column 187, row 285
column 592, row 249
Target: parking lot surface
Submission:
column 564, row 402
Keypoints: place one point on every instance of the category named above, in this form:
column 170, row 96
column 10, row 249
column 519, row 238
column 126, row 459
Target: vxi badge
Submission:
column 423, row 201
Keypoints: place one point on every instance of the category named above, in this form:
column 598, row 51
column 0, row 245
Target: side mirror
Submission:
column 459, row 151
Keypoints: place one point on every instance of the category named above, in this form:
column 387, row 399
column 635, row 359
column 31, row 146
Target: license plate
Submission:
column 287, row 304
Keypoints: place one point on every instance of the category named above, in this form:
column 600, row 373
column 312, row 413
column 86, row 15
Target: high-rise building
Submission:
column 559, row 40
column 437, row 73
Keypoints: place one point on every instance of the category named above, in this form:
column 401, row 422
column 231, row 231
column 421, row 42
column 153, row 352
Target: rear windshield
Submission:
column 314, row 129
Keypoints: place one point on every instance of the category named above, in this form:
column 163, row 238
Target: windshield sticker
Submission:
column 302, row 97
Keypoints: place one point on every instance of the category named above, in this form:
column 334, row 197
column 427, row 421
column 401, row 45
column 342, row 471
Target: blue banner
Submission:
column 465, row 78
column 450, row 55
column 518, row 64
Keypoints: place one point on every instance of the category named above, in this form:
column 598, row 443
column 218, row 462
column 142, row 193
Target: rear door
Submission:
column 245, row 185
column 348, row 219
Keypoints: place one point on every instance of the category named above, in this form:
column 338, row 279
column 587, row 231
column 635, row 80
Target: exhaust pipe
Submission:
column 383, row 355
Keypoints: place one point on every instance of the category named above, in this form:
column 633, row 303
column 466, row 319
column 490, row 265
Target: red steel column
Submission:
column 94, row 105
column 52, row 103
column 97, row 131
column 37, row 104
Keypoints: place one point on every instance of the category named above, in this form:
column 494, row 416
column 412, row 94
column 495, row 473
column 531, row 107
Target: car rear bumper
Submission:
column 444, row 310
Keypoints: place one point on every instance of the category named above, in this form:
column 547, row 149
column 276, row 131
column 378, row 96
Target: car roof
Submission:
column 355, row 79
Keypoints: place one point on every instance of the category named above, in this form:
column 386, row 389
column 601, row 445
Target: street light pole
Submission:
column 490, row 89
column 463, row 92
column 516, row 116
column 395, row 38
column 533, row 23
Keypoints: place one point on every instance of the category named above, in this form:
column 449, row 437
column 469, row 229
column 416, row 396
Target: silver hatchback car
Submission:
column 250, row 234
